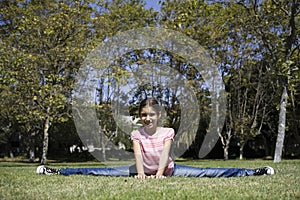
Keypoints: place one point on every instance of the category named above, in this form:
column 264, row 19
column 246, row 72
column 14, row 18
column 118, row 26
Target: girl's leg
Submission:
column 187, row 171
column 112, row 171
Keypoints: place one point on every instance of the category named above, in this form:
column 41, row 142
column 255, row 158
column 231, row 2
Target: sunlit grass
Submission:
column 19, row 181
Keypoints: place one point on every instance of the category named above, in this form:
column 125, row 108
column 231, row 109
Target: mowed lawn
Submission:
column 18, row 180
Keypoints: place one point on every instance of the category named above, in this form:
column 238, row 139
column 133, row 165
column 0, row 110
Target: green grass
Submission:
column 19, row 181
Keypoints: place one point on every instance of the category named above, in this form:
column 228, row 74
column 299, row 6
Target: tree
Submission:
column 119, row 16
column 242, row 43
column 46, row 41
column 276, row 28
column 291, row 11
column 193, row 18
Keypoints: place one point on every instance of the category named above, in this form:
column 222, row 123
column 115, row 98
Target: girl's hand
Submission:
column 156, row 176
column 160, row 176
column 140, row 176
column 143, row 176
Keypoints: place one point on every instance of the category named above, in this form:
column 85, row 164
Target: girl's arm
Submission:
column 164, row 159
column 138, row 160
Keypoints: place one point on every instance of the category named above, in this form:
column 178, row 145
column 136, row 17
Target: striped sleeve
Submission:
column 170, row 135
column 135, row 136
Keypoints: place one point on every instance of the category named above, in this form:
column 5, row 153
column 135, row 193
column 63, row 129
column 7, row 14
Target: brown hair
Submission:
column 149, row 102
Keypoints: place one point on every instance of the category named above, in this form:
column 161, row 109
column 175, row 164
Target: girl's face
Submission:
column 149, row 117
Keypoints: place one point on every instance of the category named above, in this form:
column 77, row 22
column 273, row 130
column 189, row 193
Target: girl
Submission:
column 151, row 146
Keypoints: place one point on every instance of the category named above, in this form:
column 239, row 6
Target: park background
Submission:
column 255, row 46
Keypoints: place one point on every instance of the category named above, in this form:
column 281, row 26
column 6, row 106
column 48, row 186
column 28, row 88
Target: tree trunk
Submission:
column 281, row 127
column 46, row 138
column 11, row 154
column 103, row 142
column 103, row 150
column 242, row 150
column 226, row 152
column 32, row 147
column 289, row 42
column 31, row 154
column 225, row 142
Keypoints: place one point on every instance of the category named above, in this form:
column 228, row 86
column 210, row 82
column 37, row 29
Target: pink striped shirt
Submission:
column 152, row 147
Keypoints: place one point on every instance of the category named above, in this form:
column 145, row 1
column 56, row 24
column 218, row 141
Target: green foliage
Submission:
column 43, row 45
column 250, row 41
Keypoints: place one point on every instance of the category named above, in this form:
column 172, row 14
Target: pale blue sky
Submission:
column 152, row 3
